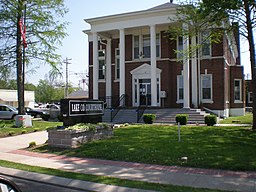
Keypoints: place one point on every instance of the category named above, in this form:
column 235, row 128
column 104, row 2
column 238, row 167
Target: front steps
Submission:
column 163, row 115
column 195, row 116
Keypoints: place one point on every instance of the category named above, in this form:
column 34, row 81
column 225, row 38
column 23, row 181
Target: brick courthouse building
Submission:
column 131, row 54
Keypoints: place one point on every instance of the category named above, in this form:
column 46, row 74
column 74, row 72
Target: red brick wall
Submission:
column 215, row 67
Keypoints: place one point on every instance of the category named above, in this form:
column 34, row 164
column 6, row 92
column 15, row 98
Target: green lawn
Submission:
column 206, row 147
column 247, row 119
column 7, row 127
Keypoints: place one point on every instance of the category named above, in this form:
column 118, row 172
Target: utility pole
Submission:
column 66, row 61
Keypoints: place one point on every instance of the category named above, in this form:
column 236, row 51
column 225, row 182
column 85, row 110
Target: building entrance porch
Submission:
column 145, row 92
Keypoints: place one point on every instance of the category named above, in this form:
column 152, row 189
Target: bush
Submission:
column 210, row 120
column 182, row 119
column 149, row 118
column 46, row 117
column 23, row 131
column 32, row 144
column 36, row 129
column 60, row 118
column 11, row 133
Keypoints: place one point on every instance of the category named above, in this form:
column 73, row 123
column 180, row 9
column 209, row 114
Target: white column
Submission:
column 153, row 65
column 186, row 103
column 108, row 73
column 95, row 66
column 194, row 73
column 122, row 62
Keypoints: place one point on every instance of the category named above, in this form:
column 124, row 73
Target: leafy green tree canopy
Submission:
column 44, row 32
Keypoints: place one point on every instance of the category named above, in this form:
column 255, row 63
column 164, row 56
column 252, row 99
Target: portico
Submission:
column 147, row 30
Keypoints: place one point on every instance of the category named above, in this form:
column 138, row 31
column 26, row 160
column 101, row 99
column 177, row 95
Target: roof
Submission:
column 11, row 95
column 164, row 6
column 78, row 94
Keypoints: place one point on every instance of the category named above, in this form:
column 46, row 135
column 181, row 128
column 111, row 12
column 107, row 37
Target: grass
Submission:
column 206, row 147
column 7, row 127
column 103, row 179
column 247, row 119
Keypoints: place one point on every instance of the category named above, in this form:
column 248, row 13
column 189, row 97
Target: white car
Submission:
column 7, row 112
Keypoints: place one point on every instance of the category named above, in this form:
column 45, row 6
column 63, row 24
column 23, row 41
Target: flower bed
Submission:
column 72, row 137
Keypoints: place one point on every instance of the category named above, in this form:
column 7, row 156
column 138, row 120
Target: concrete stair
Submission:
column 163, row 115
column 123, row 116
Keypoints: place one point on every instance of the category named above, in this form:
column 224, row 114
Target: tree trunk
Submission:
column 252, row 58
column 20, row 85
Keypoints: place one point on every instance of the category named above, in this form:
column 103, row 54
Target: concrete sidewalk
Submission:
column 174, row 175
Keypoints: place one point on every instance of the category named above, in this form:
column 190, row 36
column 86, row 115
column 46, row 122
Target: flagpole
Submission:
column 23, row 54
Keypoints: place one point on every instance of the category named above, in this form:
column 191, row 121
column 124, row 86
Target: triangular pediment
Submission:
column 144, row 69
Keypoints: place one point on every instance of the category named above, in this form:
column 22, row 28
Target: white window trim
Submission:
column 240, row 90
column 249, row 96
column 141, row 46
column 178, row 86
column 201, row 83
column 201, row 52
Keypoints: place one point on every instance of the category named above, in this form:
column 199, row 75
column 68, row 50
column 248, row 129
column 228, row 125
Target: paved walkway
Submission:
column 201, row 178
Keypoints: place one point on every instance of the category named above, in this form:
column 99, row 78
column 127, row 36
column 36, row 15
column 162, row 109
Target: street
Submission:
column 32, row 186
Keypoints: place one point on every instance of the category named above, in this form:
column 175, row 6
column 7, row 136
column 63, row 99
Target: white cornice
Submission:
column 133, row 19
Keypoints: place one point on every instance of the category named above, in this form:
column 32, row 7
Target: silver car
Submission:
column 7, row 111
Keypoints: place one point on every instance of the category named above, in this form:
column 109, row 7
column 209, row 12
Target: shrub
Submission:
column 182, row 119
column 149, row 118
column 36, row 129
column 32, row 144
column 210, row 120
column 11, row 133
column 23, row 131
column 46, row 117
column 60, row 118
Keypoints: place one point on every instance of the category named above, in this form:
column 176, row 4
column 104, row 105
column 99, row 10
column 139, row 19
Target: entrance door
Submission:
column 145, row 91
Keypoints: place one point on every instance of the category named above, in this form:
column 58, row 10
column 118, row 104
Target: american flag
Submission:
column 23, row 32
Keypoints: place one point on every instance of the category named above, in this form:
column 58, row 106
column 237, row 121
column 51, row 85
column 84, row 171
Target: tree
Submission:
column 41, row 35
column 48, row 91
column 200, row 15
column 242, row 12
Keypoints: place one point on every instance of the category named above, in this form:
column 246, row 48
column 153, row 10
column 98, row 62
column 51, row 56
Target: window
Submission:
column 117, row 63
column 179, row 47
column 146, row 46
column 157, row 45
column 102, row 64
column 180, row 85
column 206, row 44
column 141, row 46
column 136, row 46
column 249, row 97
column 238, row 90
column 206, row 86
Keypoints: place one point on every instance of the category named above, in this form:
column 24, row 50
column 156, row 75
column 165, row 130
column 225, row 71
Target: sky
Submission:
column 75, row 45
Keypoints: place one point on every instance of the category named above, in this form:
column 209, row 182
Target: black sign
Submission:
column 81, row 107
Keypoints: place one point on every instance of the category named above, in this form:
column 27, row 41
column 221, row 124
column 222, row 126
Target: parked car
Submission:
column 34, row 112
column 7, row 112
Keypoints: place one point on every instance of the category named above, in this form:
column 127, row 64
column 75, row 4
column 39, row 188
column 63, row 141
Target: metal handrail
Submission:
column 214, row 113
column 140, row 109
column 116, row 108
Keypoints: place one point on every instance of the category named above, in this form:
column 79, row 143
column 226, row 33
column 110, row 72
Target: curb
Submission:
column 64, row 182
